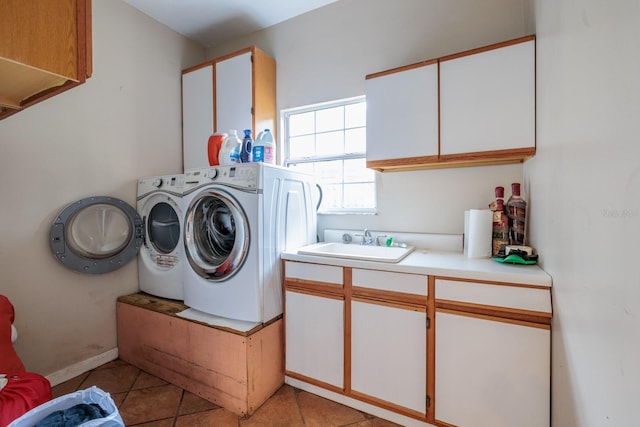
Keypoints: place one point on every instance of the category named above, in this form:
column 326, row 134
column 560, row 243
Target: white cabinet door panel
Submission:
column 314, row 272
column 487, row 100
column 234, row 86
column 402, row 114
column 197, row 116
column 388, row 354
column 494, row 295
column 315, row 337
column 491, row 373
column 390, row 281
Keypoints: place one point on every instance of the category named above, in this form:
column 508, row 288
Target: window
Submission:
column 329, row 141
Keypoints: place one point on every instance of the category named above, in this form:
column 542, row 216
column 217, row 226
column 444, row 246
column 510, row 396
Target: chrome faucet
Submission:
column 367, row 238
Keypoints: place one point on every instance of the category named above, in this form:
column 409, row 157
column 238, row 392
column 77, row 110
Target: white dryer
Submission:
column 161, row 257
column 238, row 220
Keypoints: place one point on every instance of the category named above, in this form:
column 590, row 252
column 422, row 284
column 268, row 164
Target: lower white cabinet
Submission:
column 491, row 372
column 314, row 337
column 388, row 353
column 424, row 350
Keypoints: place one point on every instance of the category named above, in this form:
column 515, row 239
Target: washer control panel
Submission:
column 243, row 175
column 170, row 183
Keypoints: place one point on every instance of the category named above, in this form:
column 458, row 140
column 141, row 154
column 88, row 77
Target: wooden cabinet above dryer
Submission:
column 472, row 108
column 45, row 49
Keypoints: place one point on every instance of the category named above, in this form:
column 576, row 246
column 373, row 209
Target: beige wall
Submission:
column 584, row 186
column 97, row 139
column 325, row 55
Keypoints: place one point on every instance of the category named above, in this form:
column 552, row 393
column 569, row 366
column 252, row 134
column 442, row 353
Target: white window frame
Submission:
column 284, row 120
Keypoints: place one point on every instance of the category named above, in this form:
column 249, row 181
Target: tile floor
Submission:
column 144, row 400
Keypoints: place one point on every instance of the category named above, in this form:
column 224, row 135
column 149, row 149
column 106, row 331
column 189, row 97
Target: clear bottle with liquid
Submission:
column 517, row 213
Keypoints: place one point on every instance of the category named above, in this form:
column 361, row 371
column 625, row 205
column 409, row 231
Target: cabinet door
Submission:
column 487, row 100
column 498, row 372
column 315, row 337
column 234, row 94
column 388, row 354
column 402, row 114
column 197, row 116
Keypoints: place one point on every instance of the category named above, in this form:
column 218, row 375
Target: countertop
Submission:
column 444, row 264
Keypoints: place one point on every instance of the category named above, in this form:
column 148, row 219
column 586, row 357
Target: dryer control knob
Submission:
column 212, row 173
column 157, row 182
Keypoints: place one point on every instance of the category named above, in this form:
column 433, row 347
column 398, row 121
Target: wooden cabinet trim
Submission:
column 488, row 48
column 315, row 292
column 526, row 323
column 403, row 68
column 392, row 304
column 311, row 286
column 388, row 405
column 513, row 154
column 500, row 157
column 314, row 382
column 488, row 282
column 347, row 275
column 431, row 349
column 390, row 296
column 400, row 163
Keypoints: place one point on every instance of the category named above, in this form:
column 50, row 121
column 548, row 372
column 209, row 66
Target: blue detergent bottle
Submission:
column 247, row 142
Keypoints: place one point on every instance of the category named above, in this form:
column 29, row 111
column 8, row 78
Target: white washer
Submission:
column 238, row 219
column 161, row 257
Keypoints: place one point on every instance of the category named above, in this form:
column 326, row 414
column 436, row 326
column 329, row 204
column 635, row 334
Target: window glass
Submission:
column 329, row 142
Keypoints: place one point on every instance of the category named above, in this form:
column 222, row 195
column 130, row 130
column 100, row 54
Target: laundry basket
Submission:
column 87, row 396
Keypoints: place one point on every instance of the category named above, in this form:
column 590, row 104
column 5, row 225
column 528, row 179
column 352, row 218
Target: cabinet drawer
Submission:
column 494, row 295
column 313, row 272
column 390, row 281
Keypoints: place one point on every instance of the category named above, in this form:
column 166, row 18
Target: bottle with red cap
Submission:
column 517, row 213
column 500, row 237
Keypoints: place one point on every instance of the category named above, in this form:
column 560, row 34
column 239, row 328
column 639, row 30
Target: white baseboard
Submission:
column 79, row 368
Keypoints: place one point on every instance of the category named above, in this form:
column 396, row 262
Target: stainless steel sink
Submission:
column 353, row 251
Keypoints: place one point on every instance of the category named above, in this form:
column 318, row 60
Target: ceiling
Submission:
column 212, row 22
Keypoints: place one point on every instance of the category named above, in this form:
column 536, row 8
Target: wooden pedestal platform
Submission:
column 236, row 370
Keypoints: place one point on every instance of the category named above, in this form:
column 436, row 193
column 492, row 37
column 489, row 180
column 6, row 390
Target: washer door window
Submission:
column 163, row 228
column 163, row 231
column 216, row 235
column 96, row 235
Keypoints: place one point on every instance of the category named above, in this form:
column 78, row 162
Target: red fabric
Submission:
column 23, row 392
column 9, row 360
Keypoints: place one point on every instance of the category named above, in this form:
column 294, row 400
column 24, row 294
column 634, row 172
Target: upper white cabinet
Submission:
column 234, row 96
column 197, row 116
column 402, row 115
column 236, row 91
column 471, row 108
column 487, row 100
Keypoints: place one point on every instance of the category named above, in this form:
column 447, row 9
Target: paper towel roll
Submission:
column 479, row 232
